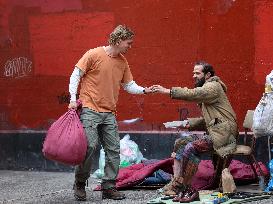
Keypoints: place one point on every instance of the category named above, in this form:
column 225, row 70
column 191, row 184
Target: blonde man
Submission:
column 102, row 71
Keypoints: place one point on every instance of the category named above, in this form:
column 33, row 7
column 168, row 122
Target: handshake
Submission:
column 177, row 124
column 157, row 89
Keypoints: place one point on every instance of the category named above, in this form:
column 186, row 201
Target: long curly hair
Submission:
column 121, row 32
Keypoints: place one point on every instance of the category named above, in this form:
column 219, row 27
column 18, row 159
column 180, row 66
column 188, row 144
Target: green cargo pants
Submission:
column 103, row 127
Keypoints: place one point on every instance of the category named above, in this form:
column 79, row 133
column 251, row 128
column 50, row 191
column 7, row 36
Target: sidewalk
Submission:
column 21, row 187
column 55, row 187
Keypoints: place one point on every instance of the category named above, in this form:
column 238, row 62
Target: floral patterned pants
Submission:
column 188, row 150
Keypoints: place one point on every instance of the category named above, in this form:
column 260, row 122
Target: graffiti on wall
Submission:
column 183, row 113
column 3, row 117
column 65, row 98
column 17, row 67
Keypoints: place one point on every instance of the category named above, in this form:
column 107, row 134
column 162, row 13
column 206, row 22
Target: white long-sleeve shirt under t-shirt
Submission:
column 131, row 87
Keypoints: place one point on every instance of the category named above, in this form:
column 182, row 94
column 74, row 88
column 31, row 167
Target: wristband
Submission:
column 171, row 93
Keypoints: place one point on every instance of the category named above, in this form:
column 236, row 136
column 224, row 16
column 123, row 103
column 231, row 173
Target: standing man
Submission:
column 218, row 120
column 101, row 71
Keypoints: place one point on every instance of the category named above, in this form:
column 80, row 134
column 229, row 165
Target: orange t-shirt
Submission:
column 102, row 78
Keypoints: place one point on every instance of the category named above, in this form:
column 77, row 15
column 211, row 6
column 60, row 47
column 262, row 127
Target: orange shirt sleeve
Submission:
column 127, row 76
column 85, row 62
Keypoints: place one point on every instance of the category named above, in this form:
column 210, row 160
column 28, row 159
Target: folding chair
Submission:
column 244, row 150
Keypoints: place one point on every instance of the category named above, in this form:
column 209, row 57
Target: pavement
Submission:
column 56, row 187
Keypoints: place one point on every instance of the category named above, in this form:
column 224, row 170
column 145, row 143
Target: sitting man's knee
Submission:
column 189, row 149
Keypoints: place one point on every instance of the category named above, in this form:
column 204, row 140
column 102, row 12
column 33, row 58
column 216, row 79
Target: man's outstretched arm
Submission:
column 132, row 88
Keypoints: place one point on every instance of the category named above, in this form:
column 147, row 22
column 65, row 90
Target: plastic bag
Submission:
column 65, row 141
column 228, row 183
column 269, row 82
column 100, row 171
column 270, row 183
column 263, row 116
column 129, row 152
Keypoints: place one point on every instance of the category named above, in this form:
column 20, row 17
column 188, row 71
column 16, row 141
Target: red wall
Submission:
column 40, row 42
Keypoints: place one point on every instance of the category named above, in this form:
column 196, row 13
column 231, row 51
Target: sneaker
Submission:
column 112, row 193
column 79, row 191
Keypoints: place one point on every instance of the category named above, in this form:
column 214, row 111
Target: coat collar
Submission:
column 217, row 79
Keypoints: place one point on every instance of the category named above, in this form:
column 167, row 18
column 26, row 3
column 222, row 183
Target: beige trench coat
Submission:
column 219, row 119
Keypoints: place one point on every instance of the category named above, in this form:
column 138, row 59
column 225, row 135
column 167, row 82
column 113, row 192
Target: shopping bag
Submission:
column 65, row 141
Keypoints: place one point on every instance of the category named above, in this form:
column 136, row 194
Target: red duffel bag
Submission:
column 65, row 141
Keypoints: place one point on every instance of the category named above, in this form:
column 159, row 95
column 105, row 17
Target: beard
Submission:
column 200, row 82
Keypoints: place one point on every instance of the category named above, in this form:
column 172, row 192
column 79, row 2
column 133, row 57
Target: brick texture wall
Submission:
column 40, row 42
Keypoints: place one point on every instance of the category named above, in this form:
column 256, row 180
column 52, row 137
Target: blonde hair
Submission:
column 121, row 32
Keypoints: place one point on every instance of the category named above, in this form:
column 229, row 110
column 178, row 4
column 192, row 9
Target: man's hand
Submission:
column 72, row 105
column 160, row 89
column 177, row 124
